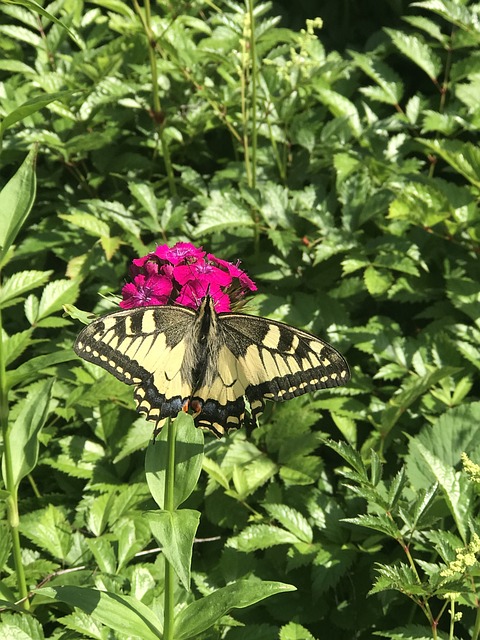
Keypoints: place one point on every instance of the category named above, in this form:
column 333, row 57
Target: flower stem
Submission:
column 169, row 604
column 12, row 501
column 157, row 114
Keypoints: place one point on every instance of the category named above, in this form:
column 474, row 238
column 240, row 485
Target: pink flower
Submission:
column 185, row 275
column 181, row 252
column 145, row 291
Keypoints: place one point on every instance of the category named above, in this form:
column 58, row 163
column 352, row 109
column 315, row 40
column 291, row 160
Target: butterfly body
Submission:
column 178, row 358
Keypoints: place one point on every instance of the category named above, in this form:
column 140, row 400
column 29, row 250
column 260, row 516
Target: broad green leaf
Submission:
column 223, row 211
column 175, row 532
column 202, row 614
column 462, row 156
column 413, row 389
column 146, row 197
column 188, row 461
column 377, row 282
column 341, row 107
column 118, row 612
column 15, row 345
column 32, row 367
column 23, row 433
column 16, row 201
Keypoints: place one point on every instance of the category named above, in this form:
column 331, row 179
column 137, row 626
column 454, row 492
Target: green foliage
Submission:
column 348, row 184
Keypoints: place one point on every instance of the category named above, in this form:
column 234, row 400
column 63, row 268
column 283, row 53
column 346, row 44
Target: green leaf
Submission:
column 32, row 367
column 223, row 211
column 20, row 627
column 261, row 536
column 462, row 156
column 188, row 461
column 175, row 532
column 390, row 87
column 202, row 614
column 38, row 9
column 420, row 53
column 23, row 433
column 50, row 530
column 292, row 520
column 31, row 106
column 88, row 222
column 121, row 613
column 294, row 631
column 377, row 282
column 19, row 283
column 55, row 295
column 16, row 201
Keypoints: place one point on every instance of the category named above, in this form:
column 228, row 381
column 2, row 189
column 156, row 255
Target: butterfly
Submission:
column 178, row 359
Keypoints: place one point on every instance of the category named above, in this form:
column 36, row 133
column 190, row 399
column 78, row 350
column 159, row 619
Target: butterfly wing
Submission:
column 273, row 361
column 146, row 347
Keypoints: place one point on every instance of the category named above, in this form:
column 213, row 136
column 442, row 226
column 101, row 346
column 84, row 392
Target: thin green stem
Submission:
column 253, row 102
column 476, row 629
column 169, row 603
column 157, row 114
column 12, row 501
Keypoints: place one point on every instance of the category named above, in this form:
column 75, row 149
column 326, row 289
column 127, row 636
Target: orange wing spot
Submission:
column 185, row 405
column 196, row 406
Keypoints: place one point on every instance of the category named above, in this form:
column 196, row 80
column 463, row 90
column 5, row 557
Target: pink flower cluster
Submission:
column 184, row 275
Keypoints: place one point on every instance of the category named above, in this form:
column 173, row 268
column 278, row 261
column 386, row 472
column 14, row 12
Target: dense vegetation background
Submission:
column 341, row 166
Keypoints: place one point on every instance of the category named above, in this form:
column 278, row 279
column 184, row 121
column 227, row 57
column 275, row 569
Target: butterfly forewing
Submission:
column 144, row 347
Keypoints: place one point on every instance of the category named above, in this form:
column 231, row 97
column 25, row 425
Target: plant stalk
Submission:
column 169, row 603
column 12, row 501
column 157, row 114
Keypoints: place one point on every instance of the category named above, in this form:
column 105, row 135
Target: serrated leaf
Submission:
column 21, row 282
column 32, row 367
column 50, row 530
column 261, row 536
column 223, row 211
column 294, row 631
column 31, row 106
column 55, row 295
column 89, row 223
column 377, row 282
column 292, row 520
column 420, row 53
column 215, row 471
